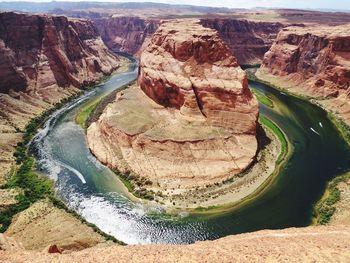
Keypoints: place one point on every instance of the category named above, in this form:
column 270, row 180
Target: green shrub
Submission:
column 280, row 135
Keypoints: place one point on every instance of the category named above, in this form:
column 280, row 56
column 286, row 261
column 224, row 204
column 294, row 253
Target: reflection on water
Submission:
column 94, row 191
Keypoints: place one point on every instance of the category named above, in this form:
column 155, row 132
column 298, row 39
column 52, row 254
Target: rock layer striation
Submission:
column 192, row 120
column 248, row 40
column 43, row 59
column 314, row 62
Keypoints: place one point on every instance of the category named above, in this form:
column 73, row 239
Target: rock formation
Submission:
column 311, row 244
column 42, row 60
column 192, row 121
column 39, row 52
column 312, row 61
column 248, row 40
column 126, row 34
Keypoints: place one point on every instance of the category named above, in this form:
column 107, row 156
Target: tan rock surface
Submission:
column 197, row 126
column 312, row 244
column 43, row 224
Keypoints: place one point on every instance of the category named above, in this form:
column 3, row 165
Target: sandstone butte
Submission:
column 314, row 62
column 190, row 122
column 43, row 59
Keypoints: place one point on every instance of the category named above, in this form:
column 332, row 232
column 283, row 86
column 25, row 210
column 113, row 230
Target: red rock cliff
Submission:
column 190, row 123
column 42, row 60
column 248, row 40
column 126, row 34
column 312, row 61
column 197, row 73
column 39, row 51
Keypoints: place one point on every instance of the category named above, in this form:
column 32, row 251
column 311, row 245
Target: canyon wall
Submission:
column 248, row 40
column 314, row 62
column 126, row 34
column 42, row 60
column 192, row 120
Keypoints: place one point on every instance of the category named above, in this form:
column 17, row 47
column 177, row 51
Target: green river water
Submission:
column 94, row 191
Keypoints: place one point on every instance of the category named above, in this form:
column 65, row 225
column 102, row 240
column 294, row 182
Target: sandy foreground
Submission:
column 311, row 244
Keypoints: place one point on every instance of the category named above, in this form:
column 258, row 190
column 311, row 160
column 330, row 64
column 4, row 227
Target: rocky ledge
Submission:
column 190, row 123
column 312, row 61
column 311, row 244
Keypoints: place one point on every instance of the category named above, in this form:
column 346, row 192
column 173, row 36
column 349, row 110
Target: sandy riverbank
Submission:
column 241, row 187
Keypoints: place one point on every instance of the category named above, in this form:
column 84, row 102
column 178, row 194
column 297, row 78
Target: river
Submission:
column 94, row 191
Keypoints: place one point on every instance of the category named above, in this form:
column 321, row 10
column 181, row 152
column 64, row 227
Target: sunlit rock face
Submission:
column 43, row 59
column 39, row 51
column 190, row 68
column 312, row 61
column 190, row 122
column 248, row 40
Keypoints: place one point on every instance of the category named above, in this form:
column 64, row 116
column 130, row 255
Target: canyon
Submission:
column 185, row 112
column 312, row 62
column 43, row 60
column 190, row 122
column 248, row 40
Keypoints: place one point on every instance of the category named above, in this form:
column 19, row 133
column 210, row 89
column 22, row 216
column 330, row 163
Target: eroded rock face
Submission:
column 39, row 51
column 249, row 40
column 312, row 61
column 42, row 60
column 192, row 120
column 189, row 67
column 126, row 34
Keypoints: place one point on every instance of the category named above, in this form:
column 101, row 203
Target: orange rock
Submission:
column 315, row 62
column 192, row 121
column 315, row 57
column 190, row 68
column 39, row 51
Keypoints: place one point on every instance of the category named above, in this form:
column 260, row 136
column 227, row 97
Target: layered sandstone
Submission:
column 126, row 34
column 192, row 120
column 42, row 60
column 312, row 244
column 314, row 62
column 248, row 40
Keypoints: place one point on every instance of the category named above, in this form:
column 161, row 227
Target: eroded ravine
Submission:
column 94, row 191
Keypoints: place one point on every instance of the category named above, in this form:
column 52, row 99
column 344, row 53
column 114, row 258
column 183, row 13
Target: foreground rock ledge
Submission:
column 191, row 122
column 311, row 244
